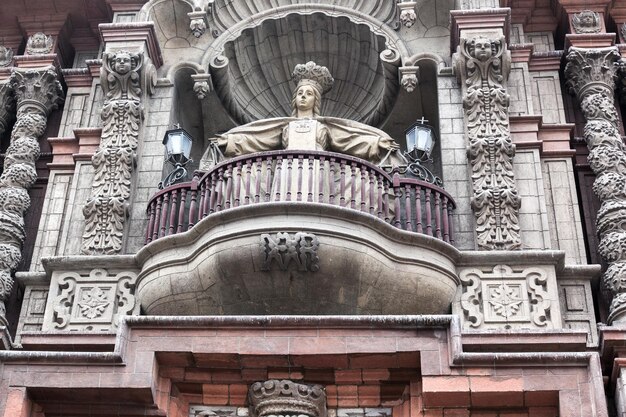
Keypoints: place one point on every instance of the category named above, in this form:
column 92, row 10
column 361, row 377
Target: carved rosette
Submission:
column 482, row 66
column 591, row 76
column 37, row 93
column 122, row 112
column 286, row 398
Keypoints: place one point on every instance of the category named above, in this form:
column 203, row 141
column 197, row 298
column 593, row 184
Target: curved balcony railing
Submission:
column 306, row 177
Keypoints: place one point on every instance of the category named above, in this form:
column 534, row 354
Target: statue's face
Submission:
column 305, row 98
column 39, row 40
column 482, row 49
column 122, row 64
column 587, row 19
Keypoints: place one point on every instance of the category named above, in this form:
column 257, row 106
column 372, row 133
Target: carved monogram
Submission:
column 285, row 249
column 483, row 66
column 591, row 75
column 36, row 93
column 114, row 161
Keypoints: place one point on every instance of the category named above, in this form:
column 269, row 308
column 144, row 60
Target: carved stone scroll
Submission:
column 285, row 249
column 286, row 398
column 37, row 93
column 482, row 66
column 122, row 112
column 591, row 75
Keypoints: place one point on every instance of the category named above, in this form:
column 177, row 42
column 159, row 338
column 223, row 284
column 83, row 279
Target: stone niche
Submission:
column 287, row 258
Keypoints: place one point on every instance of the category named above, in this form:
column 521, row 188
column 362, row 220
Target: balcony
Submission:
column 298, row 232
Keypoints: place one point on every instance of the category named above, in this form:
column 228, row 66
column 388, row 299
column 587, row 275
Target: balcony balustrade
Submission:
column 303, row 177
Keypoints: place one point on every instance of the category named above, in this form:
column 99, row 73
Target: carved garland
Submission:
column 37, row 93
column 590, row 75
column 122, row 112
column 484, row 65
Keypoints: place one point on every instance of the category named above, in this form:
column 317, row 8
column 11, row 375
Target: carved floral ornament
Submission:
column 483, row 65
column 122, row 112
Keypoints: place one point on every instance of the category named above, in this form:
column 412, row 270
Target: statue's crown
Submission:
column 315, row 74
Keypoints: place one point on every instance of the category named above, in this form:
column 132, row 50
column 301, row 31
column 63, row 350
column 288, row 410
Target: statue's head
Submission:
column 312, row 81
column 122, row 63
column 482, row 49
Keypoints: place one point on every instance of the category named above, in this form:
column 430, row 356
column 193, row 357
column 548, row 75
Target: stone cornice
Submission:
column 545, row 61
column 62, row 151
column 552, row 140
column 590, row 40
column 120, row 35
column 37, row 61
column 521, row 52
column 77, row 77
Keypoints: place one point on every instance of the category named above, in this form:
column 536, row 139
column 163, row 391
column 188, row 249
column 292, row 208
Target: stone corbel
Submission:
column 202, row 85
column 590, row 75
column 198, row 22
column 409, row 78
column 408, row 17
column 37, row 93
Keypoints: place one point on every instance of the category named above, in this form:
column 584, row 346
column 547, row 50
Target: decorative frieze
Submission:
column 114, row 161
column 286, row 398
column 37, row 93
column 504, row 297
column 284, row 249
column 93, row 301
column 590, row 75
column 482, row 65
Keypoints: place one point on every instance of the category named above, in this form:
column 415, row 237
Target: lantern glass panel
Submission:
column 177, row 145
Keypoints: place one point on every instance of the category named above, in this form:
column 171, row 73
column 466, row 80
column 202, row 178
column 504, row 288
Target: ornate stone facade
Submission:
column 591, row 75
column 114, row 161
column 483, row 66
column 37, row 93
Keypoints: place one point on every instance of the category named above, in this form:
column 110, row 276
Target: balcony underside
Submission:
column 362, row 265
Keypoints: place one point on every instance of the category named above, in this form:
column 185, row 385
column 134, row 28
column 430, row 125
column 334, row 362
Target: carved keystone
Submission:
column 286, row 398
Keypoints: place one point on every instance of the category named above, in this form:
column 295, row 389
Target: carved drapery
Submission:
column 114, row 160
column 591, row 75
column 37, row 93
column 482, row 65
column 286, row 398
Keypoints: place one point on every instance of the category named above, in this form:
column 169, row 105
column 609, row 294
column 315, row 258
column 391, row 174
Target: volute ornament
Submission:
column 286, row 398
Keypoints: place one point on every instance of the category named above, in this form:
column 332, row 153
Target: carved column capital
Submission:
column 591, row 71
column 286, row 398
column 37, row 89
column 482, row 66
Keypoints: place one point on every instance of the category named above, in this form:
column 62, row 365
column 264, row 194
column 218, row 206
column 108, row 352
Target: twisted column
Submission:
column 482, row 66
column 37, row 93
column 590, row 75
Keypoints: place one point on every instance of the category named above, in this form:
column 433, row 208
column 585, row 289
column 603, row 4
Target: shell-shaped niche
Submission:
column 227, row 13
column 252, row 75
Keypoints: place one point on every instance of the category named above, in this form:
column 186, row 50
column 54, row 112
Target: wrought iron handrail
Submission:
column 306, row 177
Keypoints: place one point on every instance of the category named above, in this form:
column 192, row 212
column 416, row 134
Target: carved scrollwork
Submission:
column 114, row 161
column 36, row 94
column 591, row 76
column 483, row 66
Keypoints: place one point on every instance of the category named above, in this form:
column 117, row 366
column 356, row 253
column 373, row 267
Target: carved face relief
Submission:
column 38, row 44
column 586, row 21
column 305, row 98
column 482, row 49
column 122, row 63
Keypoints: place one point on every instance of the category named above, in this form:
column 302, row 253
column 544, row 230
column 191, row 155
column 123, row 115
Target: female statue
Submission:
column 307, row 130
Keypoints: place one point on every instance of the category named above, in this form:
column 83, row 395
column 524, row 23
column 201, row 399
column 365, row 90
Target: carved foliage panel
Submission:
column 508, row 297
column 92, row 301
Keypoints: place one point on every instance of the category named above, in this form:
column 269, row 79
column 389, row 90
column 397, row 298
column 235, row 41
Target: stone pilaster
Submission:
column 114, row 160
column 591, row 75
column 482, row 65
column 37, row 93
